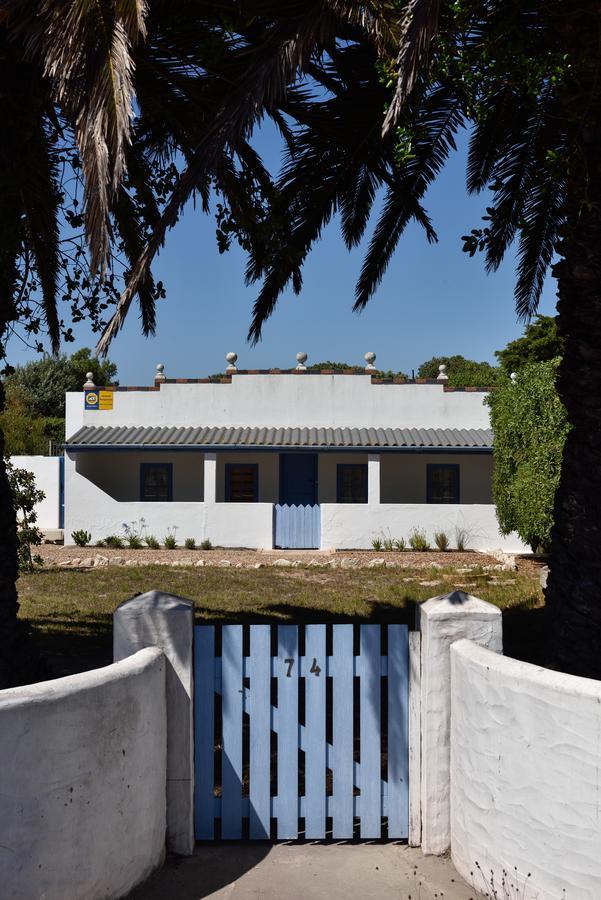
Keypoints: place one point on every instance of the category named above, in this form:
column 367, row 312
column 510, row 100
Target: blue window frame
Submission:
column 241, row 482
column 156, row 482
column 351, row 483
column 443, row 483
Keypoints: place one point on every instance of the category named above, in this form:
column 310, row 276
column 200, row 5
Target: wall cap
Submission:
column 458, row 603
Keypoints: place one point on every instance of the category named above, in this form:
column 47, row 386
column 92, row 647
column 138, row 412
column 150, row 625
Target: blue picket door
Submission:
column 260, row 698
column 297, row 527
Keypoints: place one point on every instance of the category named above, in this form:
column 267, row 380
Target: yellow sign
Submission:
column 95, row 399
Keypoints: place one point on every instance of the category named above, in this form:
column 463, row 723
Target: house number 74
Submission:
column 315, row 669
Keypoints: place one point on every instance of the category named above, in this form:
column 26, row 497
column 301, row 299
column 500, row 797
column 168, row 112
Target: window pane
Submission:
column 443, row 484
column 243, row 484
column 352, row 483
column 156, row 482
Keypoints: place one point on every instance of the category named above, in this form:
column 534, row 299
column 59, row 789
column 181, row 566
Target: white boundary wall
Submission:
column 346, row 526
column 525, row 775
column 46, row 470
column 82, row 782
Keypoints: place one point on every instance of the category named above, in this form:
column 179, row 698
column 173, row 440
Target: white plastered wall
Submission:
column 82, row 782
column 46, row 470
column 525, row 785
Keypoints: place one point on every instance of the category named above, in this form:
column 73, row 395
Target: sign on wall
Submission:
column 96, row 399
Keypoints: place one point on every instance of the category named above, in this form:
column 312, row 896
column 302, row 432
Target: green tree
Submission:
column 530, row 427
column 25, row 496
column 541, row 341
column 461, row 372
column 42, row 383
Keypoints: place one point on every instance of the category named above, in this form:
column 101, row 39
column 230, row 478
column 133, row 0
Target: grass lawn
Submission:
column 70, row 611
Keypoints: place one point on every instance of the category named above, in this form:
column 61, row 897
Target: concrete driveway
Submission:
column 255, row 871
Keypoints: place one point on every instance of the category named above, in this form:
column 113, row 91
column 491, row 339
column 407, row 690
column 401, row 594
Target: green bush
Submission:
column 114, row 541
column 461, row 538
column 190, row 544
column 134, row 542
column 25, row 496
column 530, row 426
column 388, row 544
column 206, row 545
column 399, row 543
column 441, row 540
column 377, row 543
column 169, row 542
column 81, row 538
column 418, row 540
column 151, row 542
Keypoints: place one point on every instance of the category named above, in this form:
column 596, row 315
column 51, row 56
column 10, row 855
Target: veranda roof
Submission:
column 115, row 437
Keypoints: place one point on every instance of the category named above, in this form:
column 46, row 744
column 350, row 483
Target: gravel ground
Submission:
column 55, row 555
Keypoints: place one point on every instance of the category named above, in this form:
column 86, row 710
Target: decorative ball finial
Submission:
column 442, row 373
column 160, row 373
column 301, row 359
column 513, row 377
column 89, row 382
column 370, row 358
column 231, row 358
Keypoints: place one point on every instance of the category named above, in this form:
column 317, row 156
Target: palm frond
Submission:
column 539, row 233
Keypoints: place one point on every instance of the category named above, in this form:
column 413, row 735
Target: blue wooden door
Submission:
column 262, row 685
column 298, row 479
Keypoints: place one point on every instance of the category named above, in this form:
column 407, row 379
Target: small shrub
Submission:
column 418, row 540
column 399, row 543
column 377, row 543
column 134, row 533
column 206, row 545
column 114, row 541
column 100, row 543
column 151, row 542
column 190, row 544
column 441, row 540
column 169, row 542
column 25, row 497
column 81, row 538
column 134, row 542
column 461, row 537
column 388, row 544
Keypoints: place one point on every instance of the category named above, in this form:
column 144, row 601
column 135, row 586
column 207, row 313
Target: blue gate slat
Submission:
column 398, row 731
column 342, row 732
column 369, row 693
column 231, row 755
column 315, row 731
column 260, row 731
column 297, row 527
column 287, row 761
column 204, row 737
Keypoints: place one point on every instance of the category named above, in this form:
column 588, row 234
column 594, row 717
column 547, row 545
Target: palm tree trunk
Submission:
column 9, row 570
column 574, row 585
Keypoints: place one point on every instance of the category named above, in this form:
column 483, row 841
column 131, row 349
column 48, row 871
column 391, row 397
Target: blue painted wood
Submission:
column 315, row 732
column 298, row 479
column 398, row 731
column 231, row 754
column 287, row 764
column 297, row 527
column 260, row 731
column 342, row 732
column 370, row 731
column 204, row 736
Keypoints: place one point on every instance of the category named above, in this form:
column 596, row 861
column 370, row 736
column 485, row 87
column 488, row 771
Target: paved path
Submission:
column 306, row 872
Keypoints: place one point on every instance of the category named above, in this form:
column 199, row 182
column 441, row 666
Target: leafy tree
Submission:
column 541, row 341
column 461, row 372
column 41, row 384
column 25, row 496
column 530, row 427
column 345, row 367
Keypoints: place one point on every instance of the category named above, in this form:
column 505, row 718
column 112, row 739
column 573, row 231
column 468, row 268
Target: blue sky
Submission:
column 434, row 300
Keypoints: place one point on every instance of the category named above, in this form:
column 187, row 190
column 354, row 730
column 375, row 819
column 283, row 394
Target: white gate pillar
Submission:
column 442, row 621
column 373, row 478
column 155, row 619
column 210, row 478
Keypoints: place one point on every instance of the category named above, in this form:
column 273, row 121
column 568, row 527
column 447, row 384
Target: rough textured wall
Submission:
column 82, row 782
column 525, row 775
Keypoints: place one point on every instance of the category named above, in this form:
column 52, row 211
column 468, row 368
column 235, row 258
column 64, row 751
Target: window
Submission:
column 443, row 483
column 351, row 483
column 156, row 482
column 241, row 483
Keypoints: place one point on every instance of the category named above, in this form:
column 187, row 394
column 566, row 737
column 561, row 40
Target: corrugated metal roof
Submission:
column 307, row 438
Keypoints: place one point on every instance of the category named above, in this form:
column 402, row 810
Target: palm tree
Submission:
column 525, row 79
column 114, row 114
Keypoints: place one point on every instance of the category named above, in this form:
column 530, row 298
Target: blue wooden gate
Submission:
column 264, row 697
column 297, row 527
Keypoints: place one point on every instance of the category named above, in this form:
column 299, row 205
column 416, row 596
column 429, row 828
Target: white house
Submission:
column 282, row 459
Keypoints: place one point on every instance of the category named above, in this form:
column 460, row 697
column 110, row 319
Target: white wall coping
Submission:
column 59, row 688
